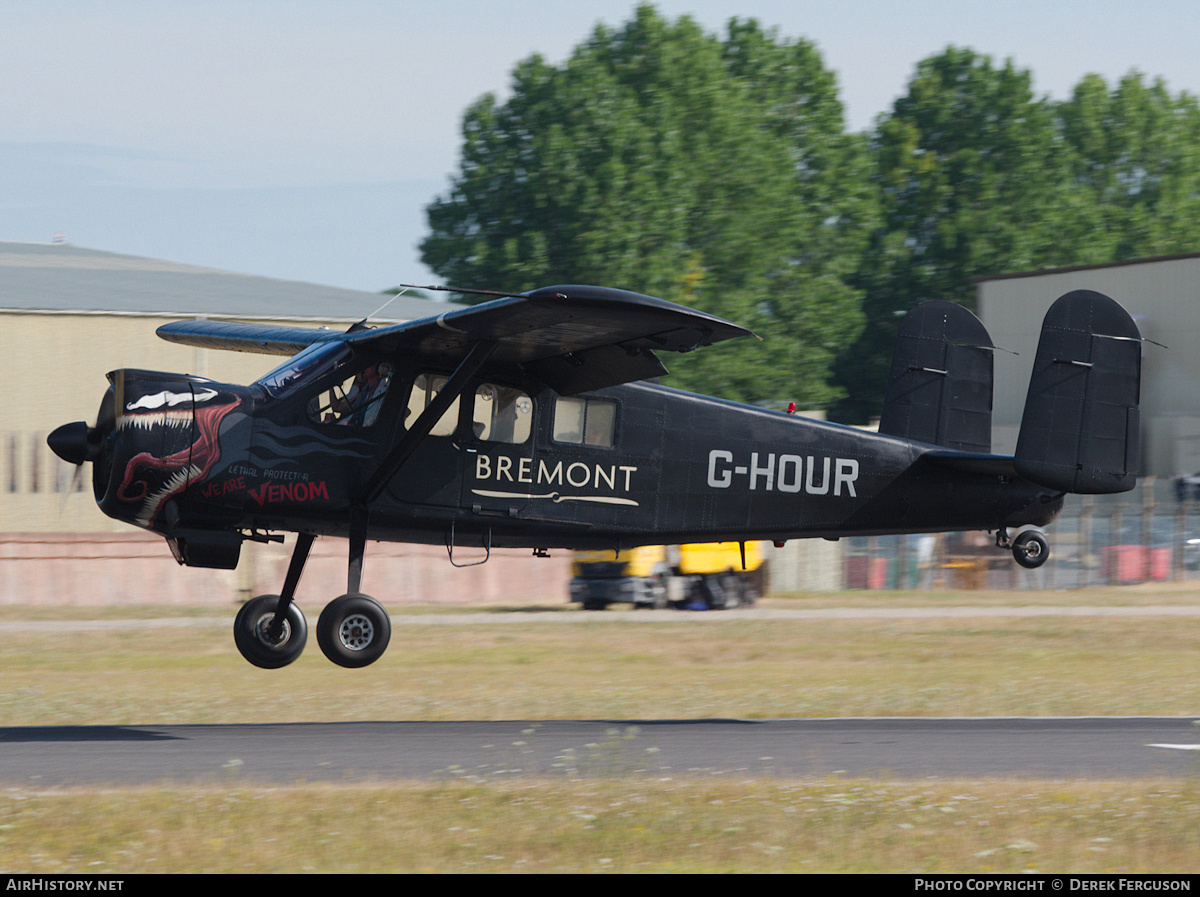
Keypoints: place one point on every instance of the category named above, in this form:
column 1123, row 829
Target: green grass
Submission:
column 609, row 825
column 576, row 665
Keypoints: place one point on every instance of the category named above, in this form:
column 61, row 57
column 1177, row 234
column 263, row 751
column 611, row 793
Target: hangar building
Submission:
column 1162, row 295
column 69, row 315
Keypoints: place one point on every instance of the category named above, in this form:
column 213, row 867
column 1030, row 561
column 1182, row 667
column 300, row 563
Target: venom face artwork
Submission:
column 152, row 479
column 163, row 435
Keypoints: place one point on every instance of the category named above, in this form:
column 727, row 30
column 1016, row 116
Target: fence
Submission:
column 1149, row 534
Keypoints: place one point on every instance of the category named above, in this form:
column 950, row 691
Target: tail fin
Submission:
column 1080, row 429
column 940, row 387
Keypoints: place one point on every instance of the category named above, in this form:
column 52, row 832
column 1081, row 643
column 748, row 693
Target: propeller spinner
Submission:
column 76, row 442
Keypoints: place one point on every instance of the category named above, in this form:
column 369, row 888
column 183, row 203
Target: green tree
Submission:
column 714, row 173
column 973, row 180
column 1137, row 156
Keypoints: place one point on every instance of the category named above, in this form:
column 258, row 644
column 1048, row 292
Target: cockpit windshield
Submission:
column 310, row 364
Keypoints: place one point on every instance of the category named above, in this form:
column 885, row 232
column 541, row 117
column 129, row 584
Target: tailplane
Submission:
column 1080, row 430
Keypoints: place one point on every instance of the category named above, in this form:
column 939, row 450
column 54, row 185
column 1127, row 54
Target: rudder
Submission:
column 1080, row 430
column 940, row 386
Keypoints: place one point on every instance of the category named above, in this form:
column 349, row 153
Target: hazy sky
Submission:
column 302, row 139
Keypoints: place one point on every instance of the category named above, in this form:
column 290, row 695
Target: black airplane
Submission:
column 525, row 422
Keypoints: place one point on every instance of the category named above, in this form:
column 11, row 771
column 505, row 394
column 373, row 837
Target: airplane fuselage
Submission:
column 657, row 466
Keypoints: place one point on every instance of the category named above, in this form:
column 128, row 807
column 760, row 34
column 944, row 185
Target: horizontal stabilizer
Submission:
column 1080, row 430
column 940, row 387
column 968, row 462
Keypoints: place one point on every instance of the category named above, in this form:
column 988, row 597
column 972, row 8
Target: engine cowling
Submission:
column 156, row 435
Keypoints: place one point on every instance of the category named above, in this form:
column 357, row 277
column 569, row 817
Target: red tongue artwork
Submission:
column 201, row 455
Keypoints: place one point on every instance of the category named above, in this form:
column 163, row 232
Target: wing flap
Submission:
column 595, row 369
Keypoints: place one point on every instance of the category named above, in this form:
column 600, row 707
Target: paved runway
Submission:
column 1080, row 748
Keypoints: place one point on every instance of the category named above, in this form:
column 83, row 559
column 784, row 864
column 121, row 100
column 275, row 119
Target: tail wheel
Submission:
column 260, row 641
column 353, row 630
column 1030, row 550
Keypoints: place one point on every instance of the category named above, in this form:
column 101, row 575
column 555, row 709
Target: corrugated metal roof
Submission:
column 59, row 277
column 1070, row 269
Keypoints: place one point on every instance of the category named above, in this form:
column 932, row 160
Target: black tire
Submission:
column 253, row 639
column 1031, row 550
column 594, row 604
column 353, row 630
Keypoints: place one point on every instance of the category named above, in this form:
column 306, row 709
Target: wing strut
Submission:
column 475, row 359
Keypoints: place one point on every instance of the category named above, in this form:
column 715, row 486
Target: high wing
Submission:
column 263, row 339
column 573, row 338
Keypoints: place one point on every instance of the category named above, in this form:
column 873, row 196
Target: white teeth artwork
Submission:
column 170, row 399
column 156, row 419
column 177, row 481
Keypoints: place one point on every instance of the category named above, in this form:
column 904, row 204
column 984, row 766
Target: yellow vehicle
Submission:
column 700, row 576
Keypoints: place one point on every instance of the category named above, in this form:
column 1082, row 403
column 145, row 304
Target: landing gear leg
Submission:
column 304, row 542
column 270, row 630
column 358, row 548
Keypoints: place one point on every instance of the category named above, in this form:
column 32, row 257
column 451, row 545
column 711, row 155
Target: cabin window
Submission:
column 585, row 421
column 425, row 388
column 356, row 400
column 502, row 414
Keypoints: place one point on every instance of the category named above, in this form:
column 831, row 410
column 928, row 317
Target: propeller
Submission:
column 76, row 442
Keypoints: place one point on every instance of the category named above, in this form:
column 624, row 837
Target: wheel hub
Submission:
column 356, row 632
column 263, row 629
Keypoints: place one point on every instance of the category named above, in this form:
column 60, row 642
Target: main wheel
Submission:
column 1030, row 550
column 353, row 630
column 253, row 637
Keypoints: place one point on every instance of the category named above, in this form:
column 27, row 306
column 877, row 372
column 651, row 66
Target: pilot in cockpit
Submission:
column 359, row 406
